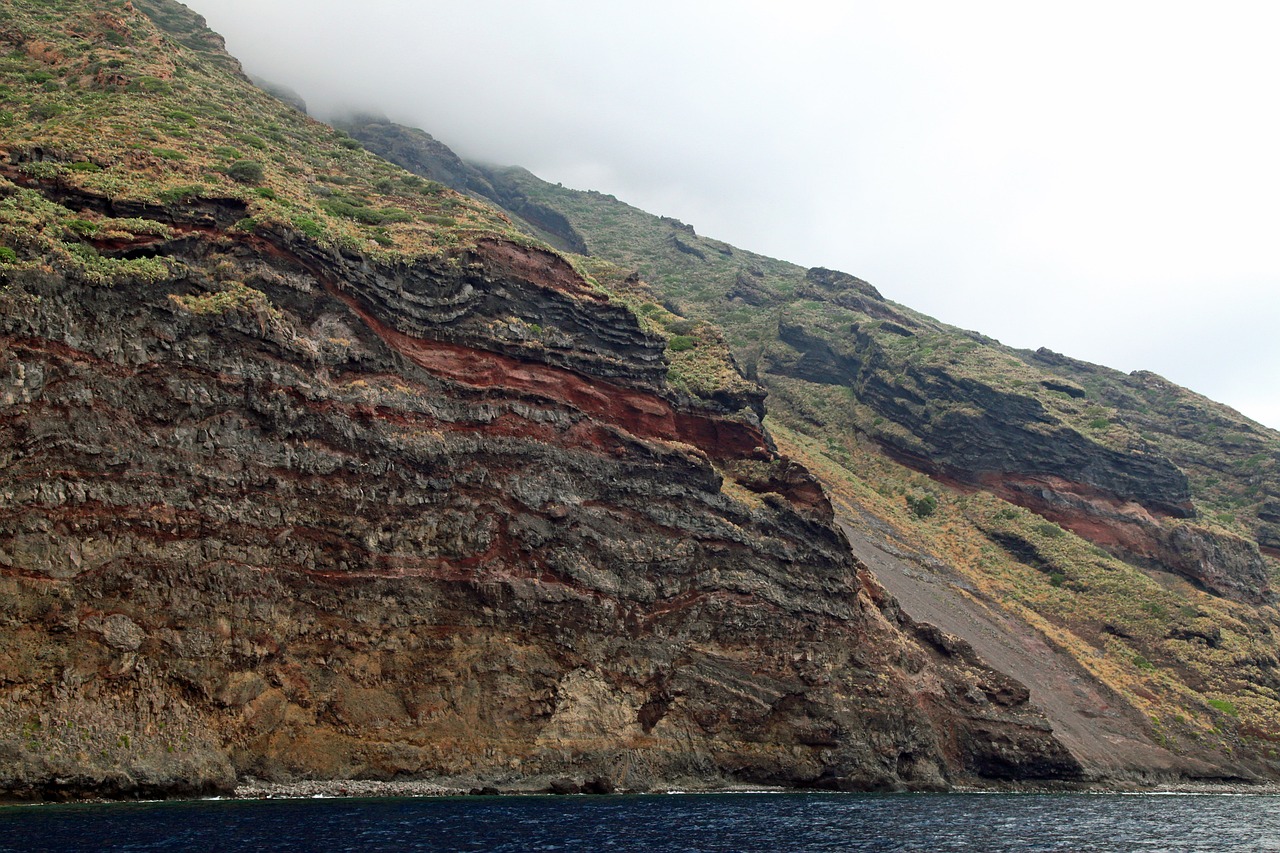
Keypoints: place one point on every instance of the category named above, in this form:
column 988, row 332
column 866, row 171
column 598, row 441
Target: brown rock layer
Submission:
column 360, row 528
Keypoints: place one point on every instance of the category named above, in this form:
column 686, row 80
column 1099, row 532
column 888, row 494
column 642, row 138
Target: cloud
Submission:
column 1099, row 178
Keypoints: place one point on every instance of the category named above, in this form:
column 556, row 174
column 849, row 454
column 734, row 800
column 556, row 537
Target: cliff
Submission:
column 313, row 469
column 1122, row 527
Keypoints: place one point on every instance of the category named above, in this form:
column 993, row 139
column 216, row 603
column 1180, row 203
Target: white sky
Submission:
column 1101, row 178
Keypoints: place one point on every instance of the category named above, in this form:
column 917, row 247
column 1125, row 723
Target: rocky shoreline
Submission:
column 354, row 788
column 253, row 789
column 364, row 788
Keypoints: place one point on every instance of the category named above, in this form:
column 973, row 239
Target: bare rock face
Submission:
column 366, row 524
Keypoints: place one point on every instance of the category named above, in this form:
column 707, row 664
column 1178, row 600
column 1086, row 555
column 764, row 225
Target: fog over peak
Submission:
column 1097, row 178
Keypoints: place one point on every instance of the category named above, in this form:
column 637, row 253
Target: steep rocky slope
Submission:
column 1124, row 528
column 310, row 468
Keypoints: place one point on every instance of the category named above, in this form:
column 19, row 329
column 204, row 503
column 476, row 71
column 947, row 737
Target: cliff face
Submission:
column 1022, row 437
column 1119, row 525
column 281, row 498
column 313, row 468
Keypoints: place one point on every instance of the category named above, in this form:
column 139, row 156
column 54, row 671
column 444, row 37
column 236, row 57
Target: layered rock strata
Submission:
column 293, row 513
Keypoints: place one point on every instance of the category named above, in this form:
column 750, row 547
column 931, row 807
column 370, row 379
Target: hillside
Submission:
column 314, row 468
column 1109, row 539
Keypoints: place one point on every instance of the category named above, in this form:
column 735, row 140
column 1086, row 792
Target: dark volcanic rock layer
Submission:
column 967, row 430
column 969, row 433
column 291, row 513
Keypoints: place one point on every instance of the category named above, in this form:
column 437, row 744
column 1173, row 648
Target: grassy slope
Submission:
column 1233, row 462
column 114, row 107
column 99, row 97
column 1201, row 669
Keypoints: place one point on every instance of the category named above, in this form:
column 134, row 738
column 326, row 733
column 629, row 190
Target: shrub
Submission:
column 182, row 193
column 149, row 85
column 246, row 171
column 680, row 343
column 8, row 256
column 923, row 506
column 45, row 111
column 236, row 297
column 366, row 215
column 82, row 227
column 308, row 226
column 394, row 214
column 1224, row 706
column 1049, row 530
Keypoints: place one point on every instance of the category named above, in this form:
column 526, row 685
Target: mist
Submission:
column 1097, row 178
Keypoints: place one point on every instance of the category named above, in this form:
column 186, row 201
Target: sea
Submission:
column 776, row 823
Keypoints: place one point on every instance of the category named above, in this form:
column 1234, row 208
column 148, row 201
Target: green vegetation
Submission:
column 681, row 343
column 246, row 172
column 923, row 505
column 115, row 112
column 236, row 296
column 1050, row 530
column 54, row 235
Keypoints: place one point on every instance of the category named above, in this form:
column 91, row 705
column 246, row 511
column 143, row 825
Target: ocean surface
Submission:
column 777, row 823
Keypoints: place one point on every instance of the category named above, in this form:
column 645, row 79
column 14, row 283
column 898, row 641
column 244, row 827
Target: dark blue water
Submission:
column 777, row 823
